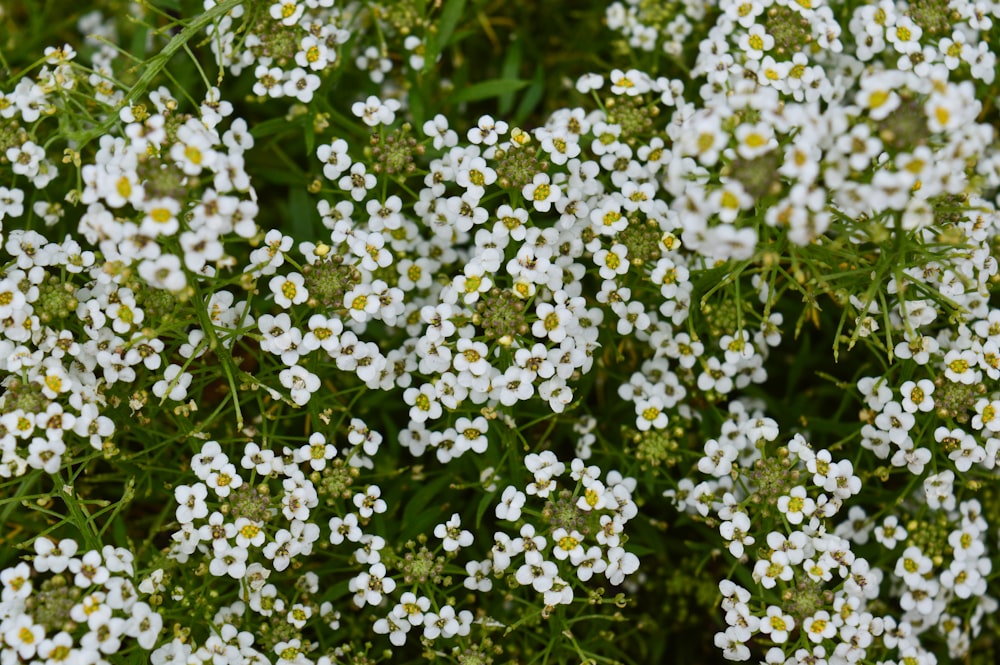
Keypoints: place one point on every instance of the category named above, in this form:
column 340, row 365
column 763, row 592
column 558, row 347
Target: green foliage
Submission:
column 484, row 332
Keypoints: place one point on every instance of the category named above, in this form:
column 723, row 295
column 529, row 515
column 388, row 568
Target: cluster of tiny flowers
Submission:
column 632, row 253
column 69, row 606
column 812, row 587
column 23, row 114
column 260, row 522
column 237, row 528
column 288, row 48
column 228, row 642
column 584, row 532
column 167, row 194
column 67, row 333
column 952, row 400
column 649, row 26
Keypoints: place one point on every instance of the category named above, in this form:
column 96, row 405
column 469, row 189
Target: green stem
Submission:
column 158, row 62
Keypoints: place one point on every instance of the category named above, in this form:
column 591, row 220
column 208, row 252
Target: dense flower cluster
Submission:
column 64, row 608
column 457, row 386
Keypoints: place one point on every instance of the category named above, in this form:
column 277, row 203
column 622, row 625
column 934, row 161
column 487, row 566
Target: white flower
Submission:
column 452, row 534
column 23, row 636
column 889, row 533
column 487, row 131
column 567, row 544
column 776, row 624
column 917, row 395
column 174, row 383
column 588, row 563
column 288, row 290
column 589, row 83
column 370, row 502
column 88, row 570
column 335, row 159
column 510, row 504
column 819, row 627
column 912, row 566
column 300, row 382
column 736, row 531
column 795, row 505
column 191, row 502
column 539, row 573
column 369, row 586
column 987, row 415
column 347, row 527
column 541, row 192
column 478, row 575
column 313, row 53
column 437, row 128
column 373, row 111
column 393, row 626
column 732, row 647
column 301, row 85
column 612, row 262
column 620, row 564
column 288, row 11
column 16, row 582
column 357, row 182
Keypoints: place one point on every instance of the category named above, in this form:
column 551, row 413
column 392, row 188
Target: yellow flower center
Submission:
column 124, row 187
column 193, row 155
column 958, row 366
column 878, row 98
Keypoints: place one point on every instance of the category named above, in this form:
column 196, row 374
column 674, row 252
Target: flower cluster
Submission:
column 73, row 606
column 374, row 356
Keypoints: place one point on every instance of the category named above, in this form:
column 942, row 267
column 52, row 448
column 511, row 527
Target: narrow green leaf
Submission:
column 418, row 106
column 138, row 48
column 450, row 16
column 301, row 207
column 488, row 89
column 417, row 517
column 310, row 132
column 275, row 175
column 532, row 96
column 510, row 68
column 484, row 505
column 268, row 127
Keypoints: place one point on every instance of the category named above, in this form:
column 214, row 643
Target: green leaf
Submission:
column 450, row 16
column 268, row 127
column 488, row 89
column 301, row 207
column 138, row 48
column 418, row 106
column 276, row 175
column 310, row 132
column 417, row 517
column 484, row 504
column 509, row 70
column 532, row 96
